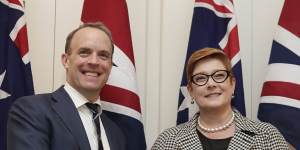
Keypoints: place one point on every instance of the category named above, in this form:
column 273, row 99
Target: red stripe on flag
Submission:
column 17, row 2
column 284, row 89
column 113, row 13
column 289, row 21
column 219, row 8
column 120, row 96
column 232, row 47
column 21, row 41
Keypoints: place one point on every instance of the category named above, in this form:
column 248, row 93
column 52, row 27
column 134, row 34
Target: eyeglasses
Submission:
column 218, row 76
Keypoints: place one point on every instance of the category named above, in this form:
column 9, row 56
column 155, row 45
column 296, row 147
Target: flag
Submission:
column 15, row 71
column 120, row 98
column 280, row 97
column 213, row 25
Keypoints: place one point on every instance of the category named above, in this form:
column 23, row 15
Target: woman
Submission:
column 217, row 126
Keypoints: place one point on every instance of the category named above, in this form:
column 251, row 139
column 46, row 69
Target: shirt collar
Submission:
column 77, row 98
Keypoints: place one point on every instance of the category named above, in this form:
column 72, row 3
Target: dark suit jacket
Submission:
column 52, row 122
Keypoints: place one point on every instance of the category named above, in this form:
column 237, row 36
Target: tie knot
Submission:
column 94, row 108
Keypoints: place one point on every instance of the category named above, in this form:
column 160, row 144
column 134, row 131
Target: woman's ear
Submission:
column 233, row 82
column 190, row 89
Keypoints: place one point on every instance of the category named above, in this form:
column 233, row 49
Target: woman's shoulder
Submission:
column 265, row 134
column 255, row 126
column 177, row 130
column 168, row 138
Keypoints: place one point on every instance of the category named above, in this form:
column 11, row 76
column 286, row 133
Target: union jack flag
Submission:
column 15, row 71
column 120, row 95
column 280, row 97
column 213, row 25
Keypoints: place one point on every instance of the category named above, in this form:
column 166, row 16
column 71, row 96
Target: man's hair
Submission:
column 96, row 25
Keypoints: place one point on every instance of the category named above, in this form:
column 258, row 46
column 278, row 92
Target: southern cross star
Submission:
column 186, row 104
column 3, row 94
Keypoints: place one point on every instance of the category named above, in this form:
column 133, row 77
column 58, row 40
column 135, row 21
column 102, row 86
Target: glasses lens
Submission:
column 199, row 79
column 220, row 76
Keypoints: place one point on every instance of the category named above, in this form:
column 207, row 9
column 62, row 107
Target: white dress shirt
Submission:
column 87, row 118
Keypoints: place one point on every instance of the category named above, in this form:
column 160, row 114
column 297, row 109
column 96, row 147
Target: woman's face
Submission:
column 211, row 95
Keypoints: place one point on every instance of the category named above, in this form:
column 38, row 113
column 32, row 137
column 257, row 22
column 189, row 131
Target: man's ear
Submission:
column 65, row 60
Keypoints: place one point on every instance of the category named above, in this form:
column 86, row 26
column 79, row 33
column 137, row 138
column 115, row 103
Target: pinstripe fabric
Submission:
column 249, row 135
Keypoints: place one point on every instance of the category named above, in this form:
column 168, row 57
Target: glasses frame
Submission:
column 211, row 75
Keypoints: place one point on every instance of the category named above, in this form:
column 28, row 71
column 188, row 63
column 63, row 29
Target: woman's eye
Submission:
column 200, row 78
column 219, row 75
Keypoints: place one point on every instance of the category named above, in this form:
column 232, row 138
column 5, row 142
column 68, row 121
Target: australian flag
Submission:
column 15, row 71
column 280, row 97
column 120, row 97
column 213, row 25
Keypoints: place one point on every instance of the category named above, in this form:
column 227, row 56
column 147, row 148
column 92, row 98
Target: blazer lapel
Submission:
column 66, row 110
column 188, row 139
column 244, row 136
column 241, row 140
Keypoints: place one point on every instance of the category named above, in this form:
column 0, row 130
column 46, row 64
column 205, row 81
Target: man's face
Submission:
column 89, row 61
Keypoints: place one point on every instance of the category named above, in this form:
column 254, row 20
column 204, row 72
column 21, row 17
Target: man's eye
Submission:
column 104, row 56
column 83, row 54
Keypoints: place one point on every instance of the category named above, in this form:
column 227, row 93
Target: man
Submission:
column 68, row 119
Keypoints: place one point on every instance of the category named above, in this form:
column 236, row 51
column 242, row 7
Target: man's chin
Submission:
column 92, row 88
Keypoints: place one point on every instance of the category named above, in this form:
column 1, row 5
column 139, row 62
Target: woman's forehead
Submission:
column 209, row 65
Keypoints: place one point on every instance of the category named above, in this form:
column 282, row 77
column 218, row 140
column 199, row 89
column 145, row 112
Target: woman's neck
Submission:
column 215, row 118
column 216, row 124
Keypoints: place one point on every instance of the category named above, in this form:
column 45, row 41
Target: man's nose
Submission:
column 93, row 59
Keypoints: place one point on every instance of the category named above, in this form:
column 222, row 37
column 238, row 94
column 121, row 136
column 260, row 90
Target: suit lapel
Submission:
column 66, row 110
column 113, row 143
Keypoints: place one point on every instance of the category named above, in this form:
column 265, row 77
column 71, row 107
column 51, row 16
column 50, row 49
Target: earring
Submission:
column 192, row 100
column 232, row 96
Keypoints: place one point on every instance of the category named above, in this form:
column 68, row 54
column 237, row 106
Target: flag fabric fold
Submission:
column 213, row 25
column 15, row 70
column 120, row 98
column 280, row 97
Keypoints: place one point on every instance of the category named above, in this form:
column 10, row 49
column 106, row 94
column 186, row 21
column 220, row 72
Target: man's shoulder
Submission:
column 35, row 101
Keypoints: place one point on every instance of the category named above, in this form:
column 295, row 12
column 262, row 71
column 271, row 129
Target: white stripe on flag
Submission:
column 227, row 3
column 236, row 58
column 19, row 24
column 12, row 5
column 283, row 72
column 120, row 109
column 230, row 26
column 123, row 75
column 208, row 6
column 25, row 58
column 281, row 101
column 288, row 40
